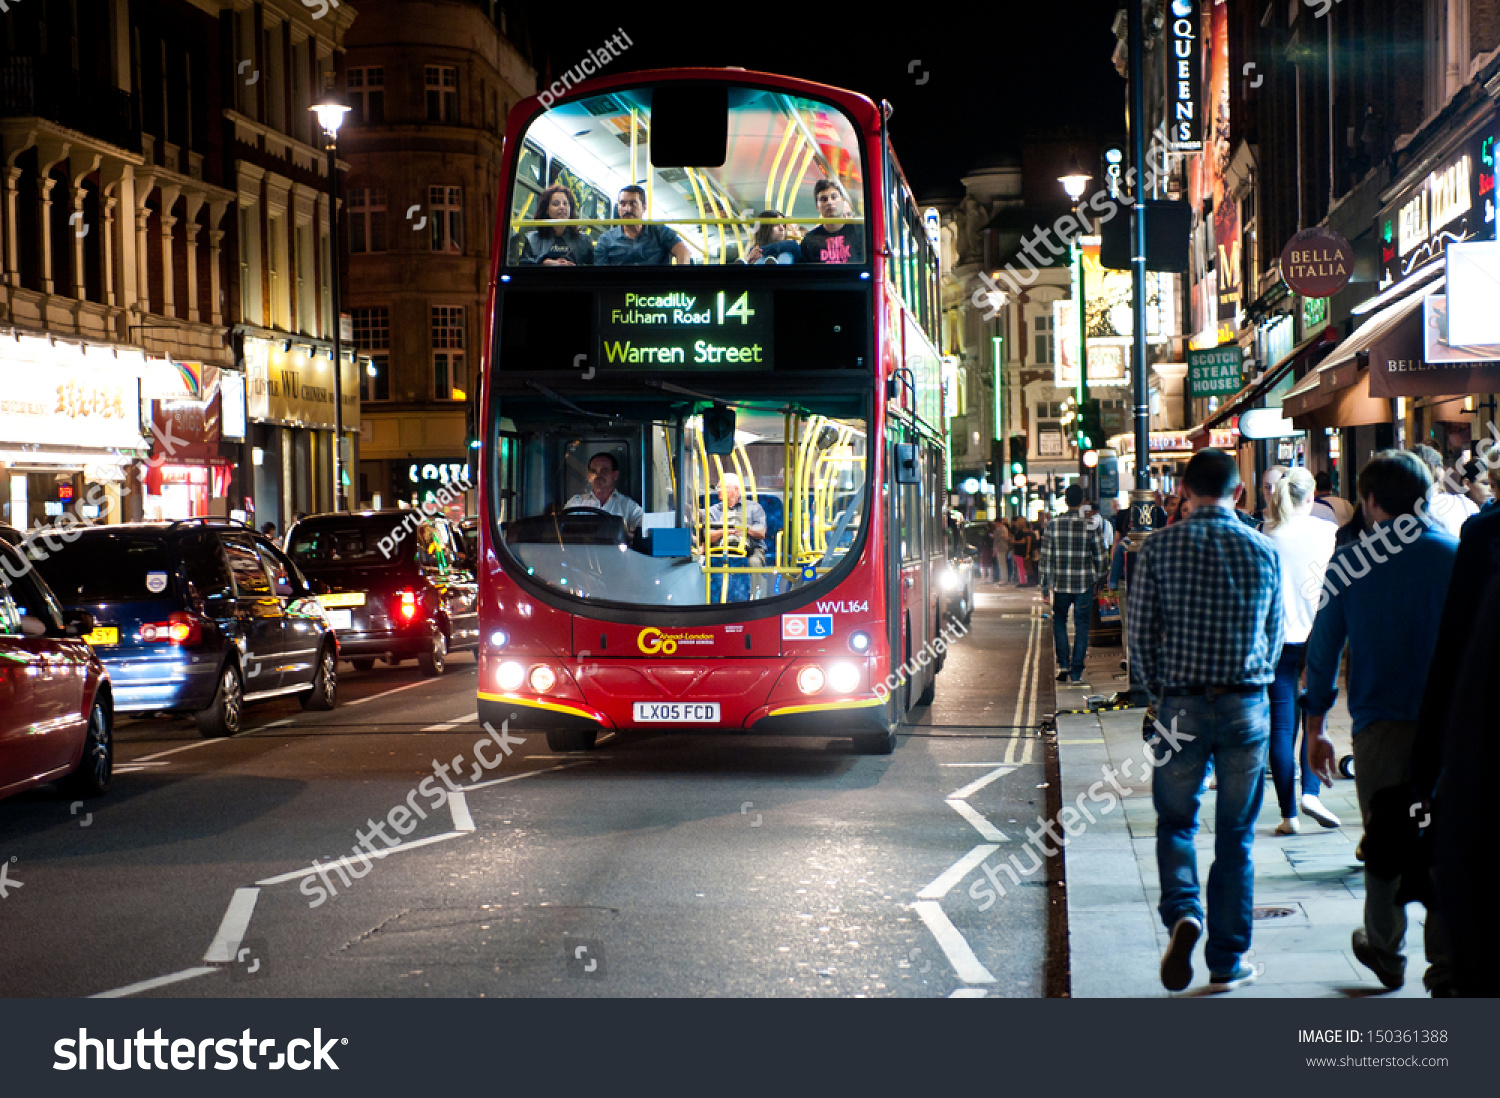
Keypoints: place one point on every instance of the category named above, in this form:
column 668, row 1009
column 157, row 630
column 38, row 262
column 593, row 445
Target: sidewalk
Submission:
column 1309, row 889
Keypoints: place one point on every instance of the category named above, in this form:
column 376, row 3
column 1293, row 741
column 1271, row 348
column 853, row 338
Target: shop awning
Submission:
column 1251, row 394
column 1395, row 331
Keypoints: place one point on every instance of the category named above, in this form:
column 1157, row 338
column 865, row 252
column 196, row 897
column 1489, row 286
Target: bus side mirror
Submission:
column 908, row 470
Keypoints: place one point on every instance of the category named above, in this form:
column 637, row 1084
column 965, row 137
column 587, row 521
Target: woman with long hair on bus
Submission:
column 1305, row 544
column 772, row 243
column 562, row 246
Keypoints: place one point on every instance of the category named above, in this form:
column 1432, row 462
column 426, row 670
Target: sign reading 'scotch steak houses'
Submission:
column 1317, row 262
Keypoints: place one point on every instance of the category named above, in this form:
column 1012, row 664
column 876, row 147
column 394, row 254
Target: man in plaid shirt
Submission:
column 1205, row 630
column 1073, row 561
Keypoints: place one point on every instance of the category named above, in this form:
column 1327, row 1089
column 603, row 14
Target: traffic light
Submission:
column 997, row 463
column 1091, row 424
column 471, row 422
column 1017, row 466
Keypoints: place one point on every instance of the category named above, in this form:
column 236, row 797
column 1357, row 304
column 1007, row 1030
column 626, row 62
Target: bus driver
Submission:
column 604, row 474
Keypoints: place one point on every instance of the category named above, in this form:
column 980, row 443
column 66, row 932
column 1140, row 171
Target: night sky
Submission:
column 995, row 72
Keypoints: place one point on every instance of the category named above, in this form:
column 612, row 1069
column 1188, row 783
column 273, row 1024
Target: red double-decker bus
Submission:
column 712, row 469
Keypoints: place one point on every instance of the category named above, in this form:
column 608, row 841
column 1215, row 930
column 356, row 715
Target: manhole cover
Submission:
column 1273, row 912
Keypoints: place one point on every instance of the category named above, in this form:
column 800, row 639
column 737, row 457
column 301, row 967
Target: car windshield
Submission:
column 682, row 505
column 685, row 173
column 372, row 540
column 104, row 566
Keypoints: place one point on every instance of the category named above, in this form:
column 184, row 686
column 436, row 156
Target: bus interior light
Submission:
column 844, row 678
column 810, row 679
column 859, row 641
column 543, row 678
column 511, row 675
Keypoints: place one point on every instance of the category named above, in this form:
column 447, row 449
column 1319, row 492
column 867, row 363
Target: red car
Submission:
column 56, row 715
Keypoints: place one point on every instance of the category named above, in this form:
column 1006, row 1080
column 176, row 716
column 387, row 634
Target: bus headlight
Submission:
column 844, row 678
column 511, row 675
column 543, row 678
column 949, row 580
column 499, row 639
column 859, row 641
column 810, row 679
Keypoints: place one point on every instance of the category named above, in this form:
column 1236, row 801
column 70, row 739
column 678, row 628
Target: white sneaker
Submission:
column 1288, row 826
column 1315, row 808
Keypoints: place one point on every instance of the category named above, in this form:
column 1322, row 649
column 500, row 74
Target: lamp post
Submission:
column 330, row 111
column 1075, row 183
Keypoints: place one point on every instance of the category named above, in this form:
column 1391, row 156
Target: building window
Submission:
column 446, row 215
column 449, row 378
column 442, row 93
column 1041, row 327
column 367, row 95
column 366, row 220
column 372, row 336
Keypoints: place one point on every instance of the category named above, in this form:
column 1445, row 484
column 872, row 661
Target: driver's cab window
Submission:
column 435, row 548
column 283, row 580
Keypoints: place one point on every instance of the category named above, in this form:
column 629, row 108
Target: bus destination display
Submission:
column 688, row 329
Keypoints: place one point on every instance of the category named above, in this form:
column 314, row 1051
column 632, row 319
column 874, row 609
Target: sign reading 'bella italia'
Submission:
column 1317, row 262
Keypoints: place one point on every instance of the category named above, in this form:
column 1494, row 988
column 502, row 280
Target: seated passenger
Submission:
column 747, row 528
column 604, row 474
column 563, row 246
column 835, row 243
column 638, row 245
column 771, row 244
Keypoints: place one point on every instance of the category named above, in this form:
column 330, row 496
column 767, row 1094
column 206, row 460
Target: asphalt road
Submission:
column 657, row 865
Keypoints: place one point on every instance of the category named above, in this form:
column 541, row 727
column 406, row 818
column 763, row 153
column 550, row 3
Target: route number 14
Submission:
column 740, row 308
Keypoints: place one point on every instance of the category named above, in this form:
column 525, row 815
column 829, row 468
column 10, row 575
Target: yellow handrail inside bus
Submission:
column 786, row 139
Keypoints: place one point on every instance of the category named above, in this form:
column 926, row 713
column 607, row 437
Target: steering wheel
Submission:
column 596, row 512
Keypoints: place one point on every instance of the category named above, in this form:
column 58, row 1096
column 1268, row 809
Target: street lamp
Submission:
column 330, row 111
column 1075, row 183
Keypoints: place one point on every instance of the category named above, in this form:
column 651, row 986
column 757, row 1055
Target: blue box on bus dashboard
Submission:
column 670, row 541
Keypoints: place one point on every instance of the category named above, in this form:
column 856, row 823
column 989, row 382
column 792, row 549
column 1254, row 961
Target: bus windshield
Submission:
column 687, row 173
column 642, row 502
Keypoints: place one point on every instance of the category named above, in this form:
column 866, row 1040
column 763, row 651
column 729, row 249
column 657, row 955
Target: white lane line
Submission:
column 236, row 921
column 957, row 872
column 173, row 750
column 960, row 956
column 969, row 993
column 387, row 693
column 134, row 768
column 364, row 859
column 154, row 983
column 449, row 726
column 526, row 774
column 987, row 831
column 978, row 764
column 1031, row 637
column 979, row 783
column 458, row 804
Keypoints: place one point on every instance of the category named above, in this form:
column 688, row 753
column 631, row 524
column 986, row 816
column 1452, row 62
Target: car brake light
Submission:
column 408, row 608
column 179, row 628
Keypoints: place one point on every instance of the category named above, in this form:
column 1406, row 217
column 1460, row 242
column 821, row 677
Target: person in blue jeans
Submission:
column 1074, row 561
column 1206, row 627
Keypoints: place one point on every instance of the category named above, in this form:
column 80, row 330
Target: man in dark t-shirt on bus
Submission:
column 835, row 243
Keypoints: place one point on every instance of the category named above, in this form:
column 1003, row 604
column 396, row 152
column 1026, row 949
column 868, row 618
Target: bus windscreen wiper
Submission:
column 565, row 402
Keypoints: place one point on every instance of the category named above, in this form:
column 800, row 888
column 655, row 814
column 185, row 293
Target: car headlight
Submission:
column 511, row 675
column 810, row 679
column 543, row 678
column 844, row 678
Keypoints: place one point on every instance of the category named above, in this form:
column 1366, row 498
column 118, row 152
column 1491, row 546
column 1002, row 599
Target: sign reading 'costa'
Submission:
column 1317, row 262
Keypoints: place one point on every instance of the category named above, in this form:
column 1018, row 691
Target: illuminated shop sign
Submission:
column 1452, row 203
column 690, row 330
column 1184, row 78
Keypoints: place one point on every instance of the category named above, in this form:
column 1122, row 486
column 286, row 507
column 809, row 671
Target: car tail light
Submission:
column 408, row 606
column 179, row 628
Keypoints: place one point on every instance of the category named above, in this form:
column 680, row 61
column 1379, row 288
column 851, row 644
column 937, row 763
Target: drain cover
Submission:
column 1273, row 912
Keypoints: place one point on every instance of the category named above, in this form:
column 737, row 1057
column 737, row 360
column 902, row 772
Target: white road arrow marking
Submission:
column 960, row 956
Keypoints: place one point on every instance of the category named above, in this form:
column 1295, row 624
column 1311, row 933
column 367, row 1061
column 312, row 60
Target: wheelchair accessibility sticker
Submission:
column 806, row 626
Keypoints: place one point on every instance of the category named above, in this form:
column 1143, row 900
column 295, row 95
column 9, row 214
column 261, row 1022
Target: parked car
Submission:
column 398, row 585
column 199, row 616
column 56, row 714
